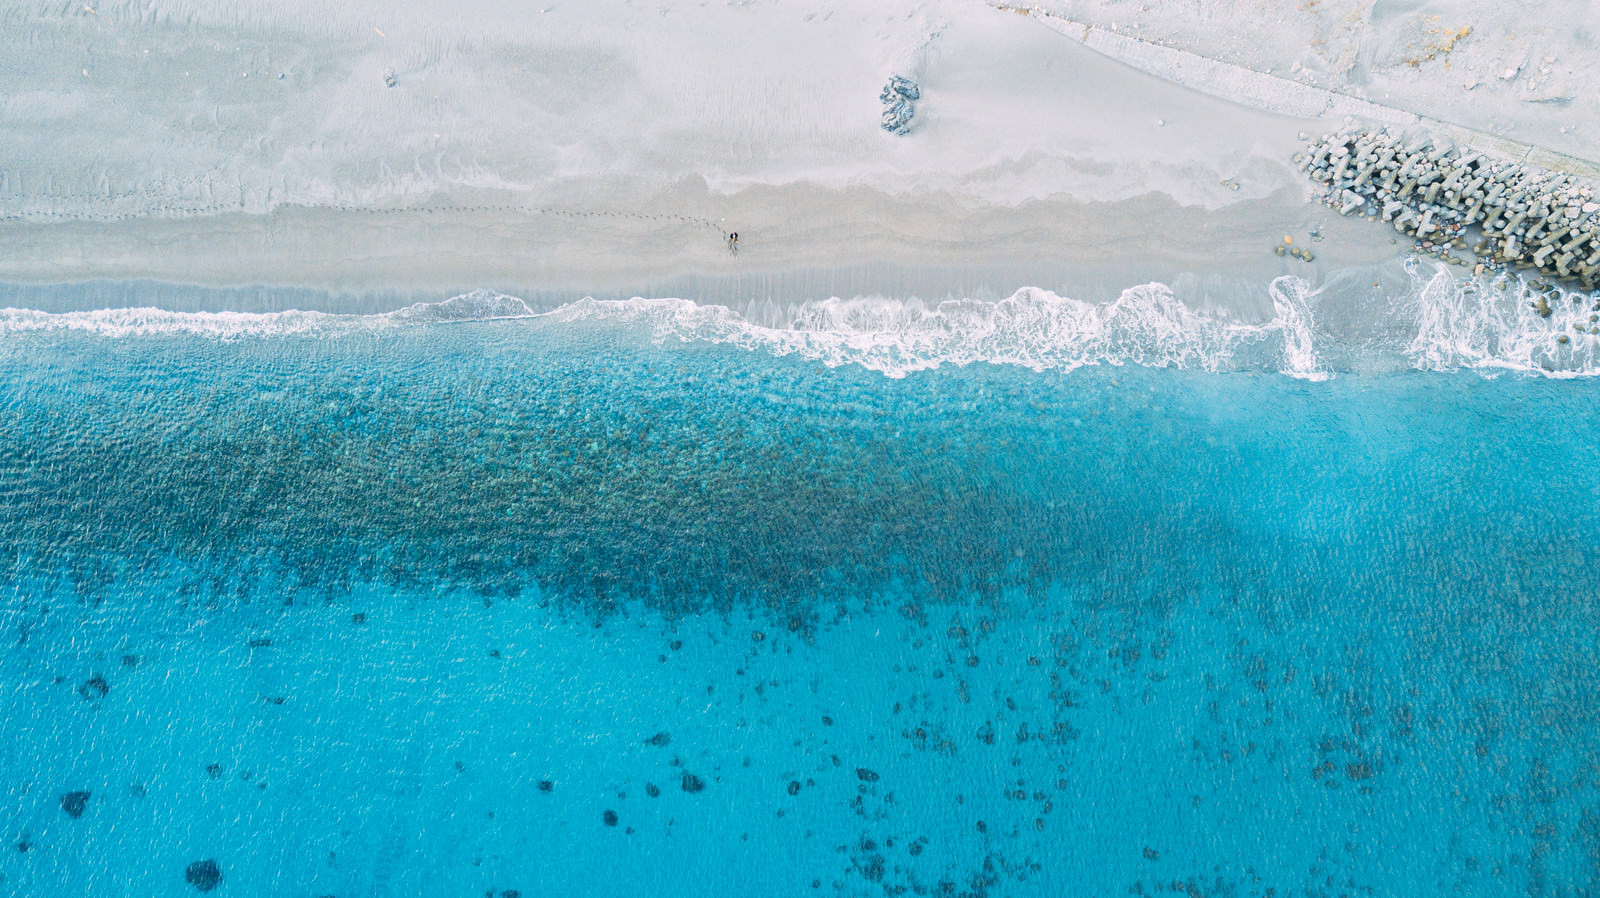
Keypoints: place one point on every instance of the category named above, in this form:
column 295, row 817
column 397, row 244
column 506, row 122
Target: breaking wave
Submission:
column 1033, row 328
column 1442, row 322
column 1499, row 323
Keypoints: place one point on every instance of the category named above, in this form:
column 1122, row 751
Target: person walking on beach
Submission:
column 733, row 243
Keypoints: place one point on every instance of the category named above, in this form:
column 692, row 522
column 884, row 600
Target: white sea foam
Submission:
column 1495, row 323
column 1147, row 325
column 1291, row 298
column 479, row 305
column 149, row 322
column 1443, row 322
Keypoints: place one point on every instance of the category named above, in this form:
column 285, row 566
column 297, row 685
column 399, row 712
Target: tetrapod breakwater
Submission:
column 1464, row 206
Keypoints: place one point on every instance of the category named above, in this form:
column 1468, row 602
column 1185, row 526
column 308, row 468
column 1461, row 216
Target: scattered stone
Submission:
column 610, row 817
column 865, row 775
column 203, row 875
column 652, row 790
column 389, row 80
column 261, row 643
column 214, row 770
column 659, row 740
column 94, row 688
column 130, row 660
column 358, row 618
column 546, row 786
column 692, row 783
column 24, row 843
column 794, row 787
column 827, row 721
column 74, row 803
column 1150, row 854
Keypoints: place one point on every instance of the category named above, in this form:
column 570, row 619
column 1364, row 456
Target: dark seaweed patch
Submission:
column 94, row 688
column 203, row 875
column 74, row 803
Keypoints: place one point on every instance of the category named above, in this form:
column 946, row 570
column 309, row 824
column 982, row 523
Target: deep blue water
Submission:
column 409, row 613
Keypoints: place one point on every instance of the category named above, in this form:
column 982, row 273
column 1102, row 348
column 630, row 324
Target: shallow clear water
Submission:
column 408, row 612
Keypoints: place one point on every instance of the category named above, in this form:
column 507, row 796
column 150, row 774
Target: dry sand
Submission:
column 606, row 148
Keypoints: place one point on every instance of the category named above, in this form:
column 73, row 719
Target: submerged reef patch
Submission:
column 203, row 875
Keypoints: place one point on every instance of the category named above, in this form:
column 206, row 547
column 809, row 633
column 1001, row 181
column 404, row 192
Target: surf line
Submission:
column 731, row 238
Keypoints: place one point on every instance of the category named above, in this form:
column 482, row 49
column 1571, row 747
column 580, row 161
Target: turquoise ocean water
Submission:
column 583, row 604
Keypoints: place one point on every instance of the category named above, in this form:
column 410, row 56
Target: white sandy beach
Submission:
column 605, row 148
